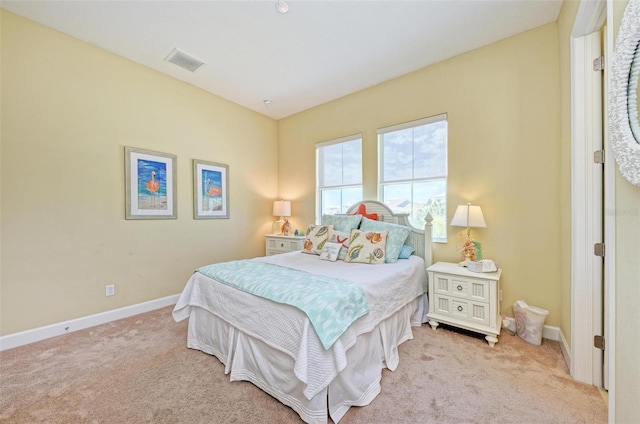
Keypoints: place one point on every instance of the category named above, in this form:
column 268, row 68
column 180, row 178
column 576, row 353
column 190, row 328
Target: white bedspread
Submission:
column 388, row 288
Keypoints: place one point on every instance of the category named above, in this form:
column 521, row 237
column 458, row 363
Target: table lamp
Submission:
column 469, row 216
column 282, row 209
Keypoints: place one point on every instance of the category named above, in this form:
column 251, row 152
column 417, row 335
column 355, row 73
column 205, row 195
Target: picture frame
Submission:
column 150, row 184
column 210, row 190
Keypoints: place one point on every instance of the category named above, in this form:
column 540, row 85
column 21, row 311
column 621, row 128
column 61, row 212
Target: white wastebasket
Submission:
column 529, row 322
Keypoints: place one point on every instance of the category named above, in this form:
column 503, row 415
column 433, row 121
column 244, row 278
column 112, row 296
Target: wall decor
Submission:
column 150, row 184
column 210, row 190
column 624, row 121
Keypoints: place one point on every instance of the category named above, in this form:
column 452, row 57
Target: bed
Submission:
column 318, row 365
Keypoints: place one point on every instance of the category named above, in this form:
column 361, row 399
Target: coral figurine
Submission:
column 471, row 250
column 286, row 227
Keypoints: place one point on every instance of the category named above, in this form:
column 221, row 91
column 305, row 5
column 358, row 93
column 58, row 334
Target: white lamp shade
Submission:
column 468, row 216
column 282, row 208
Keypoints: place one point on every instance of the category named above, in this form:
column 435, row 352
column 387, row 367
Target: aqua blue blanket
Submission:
column 331, row 304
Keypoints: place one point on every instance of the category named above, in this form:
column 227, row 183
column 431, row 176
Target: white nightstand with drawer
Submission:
column 465, row 299
column 276, row 244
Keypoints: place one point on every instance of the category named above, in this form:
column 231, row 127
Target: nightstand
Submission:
column 465, row 299
column 276, row 244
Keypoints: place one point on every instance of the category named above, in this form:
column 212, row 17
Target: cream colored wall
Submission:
column 503, row 107
column 627, row 296
column 68, row 110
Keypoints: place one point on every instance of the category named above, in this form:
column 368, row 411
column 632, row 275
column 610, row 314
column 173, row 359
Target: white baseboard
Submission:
column 548, row 332
column 551, row 333
column 34, row 335
column 566, row 350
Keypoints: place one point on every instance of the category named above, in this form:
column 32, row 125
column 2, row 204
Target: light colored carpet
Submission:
column 138, row 370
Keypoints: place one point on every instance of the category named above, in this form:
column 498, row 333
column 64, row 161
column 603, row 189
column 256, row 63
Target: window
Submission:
column 339, row 175
column 413, row 171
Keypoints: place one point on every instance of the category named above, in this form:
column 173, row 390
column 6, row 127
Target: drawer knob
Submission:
column 281, row 244
column 460, row 307
column 459, row 287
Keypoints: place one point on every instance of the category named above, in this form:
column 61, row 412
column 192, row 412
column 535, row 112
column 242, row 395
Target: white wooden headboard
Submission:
column 420, row 240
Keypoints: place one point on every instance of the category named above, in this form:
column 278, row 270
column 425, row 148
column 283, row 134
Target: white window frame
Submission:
column 320, row 165
column 404, row 126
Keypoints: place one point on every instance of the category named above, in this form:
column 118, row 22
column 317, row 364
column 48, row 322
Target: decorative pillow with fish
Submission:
column 397, row 236
column 367, row 247
column 317, row 236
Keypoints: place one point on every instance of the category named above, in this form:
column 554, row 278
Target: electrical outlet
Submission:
column 111, row 289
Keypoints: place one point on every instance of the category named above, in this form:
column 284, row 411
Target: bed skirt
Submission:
column 249, row 359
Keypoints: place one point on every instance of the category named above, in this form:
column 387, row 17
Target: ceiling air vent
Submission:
column 184, row 60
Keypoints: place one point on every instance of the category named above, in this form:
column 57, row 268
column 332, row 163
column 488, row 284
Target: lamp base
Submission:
column 276, row 227
column 465, row 262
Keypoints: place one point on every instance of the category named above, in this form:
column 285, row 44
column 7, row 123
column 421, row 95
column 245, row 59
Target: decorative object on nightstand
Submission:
column 282, row 209
column 484, row 265
column 469, row 216
column 286, row 227
column 276, row 244
column 465, row 299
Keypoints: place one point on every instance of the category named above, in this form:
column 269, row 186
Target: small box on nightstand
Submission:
column 482, row 266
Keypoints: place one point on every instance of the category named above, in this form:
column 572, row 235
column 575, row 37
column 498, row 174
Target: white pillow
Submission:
column 330, row 251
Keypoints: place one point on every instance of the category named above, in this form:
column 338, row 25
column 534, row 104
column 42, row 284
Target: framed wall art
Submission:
column 150, row 184
column 210, row 190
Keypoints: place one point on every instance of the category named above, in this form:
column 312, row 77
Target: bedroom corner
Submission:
column 497, row 149
column 68, row 110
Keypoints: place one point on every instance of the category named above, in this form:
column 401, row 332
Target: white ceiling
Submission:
column 317, row 52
